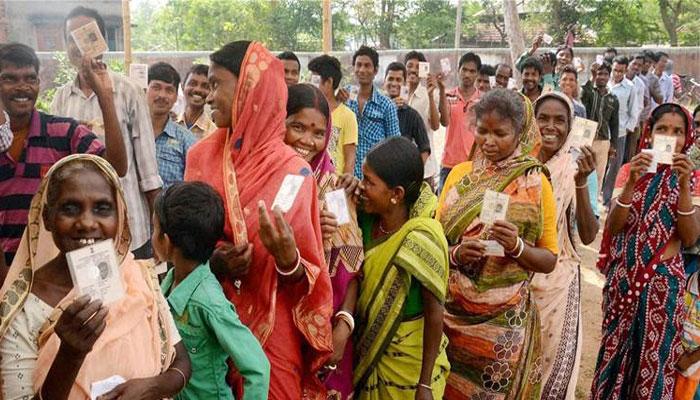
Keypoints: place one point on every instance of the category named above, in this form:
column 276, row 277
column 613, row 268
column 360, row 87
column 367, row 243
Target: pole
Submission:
column 458, row 25
column 327, row 26
column 126, row 27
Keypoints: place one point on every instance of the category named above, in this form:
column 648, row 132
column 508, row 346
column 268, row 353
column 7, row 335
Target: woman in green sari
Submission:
column 400, row 348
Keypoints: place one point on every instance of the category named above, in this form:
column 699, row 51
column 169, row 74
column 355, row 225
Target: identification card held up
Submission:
column 493, row 248
column 89, row 40
column 494, row 207
column 105, row 386
column 583, row 132
column 547, row 88
column 512, row 84
column 337, row 203
column 445, row 66
column 654, row 161
column 664, row 147
column 316, row 80
column 423, row 69
column 288, row 192
column 599, row 59
column 547, row 39
column 492, row 81
column 404, row 92
column 353, row 91
column 95, row 271
column 139, row 73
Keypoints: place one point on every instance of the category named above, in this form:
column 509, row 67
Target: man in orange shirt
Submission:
column 460, row 131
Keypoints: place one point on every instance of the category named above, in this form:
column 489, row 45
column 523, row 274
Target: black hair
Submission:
column 564, row 47
column 231, row 56
column 162, row 71
column 289, row 56
column 648, row 54
column 532, row 62
column 81, row 11
column 504, row 65
column 561, row 101
column 507, row 103
column 664, row 109
column 470, row 57
column 569, row 69
column 397, row 162
column 328, row 67
column 396, row 66
column 197, row 69
column 369, row 52
column 18, row 55
column 487, row 70
column 304, row 95
column 622, row 60
column 640, row 56
column 606, row 66
column 414, row 55
column 192, row 215
column 696, row 111
column 611, row 50
column 660, row 54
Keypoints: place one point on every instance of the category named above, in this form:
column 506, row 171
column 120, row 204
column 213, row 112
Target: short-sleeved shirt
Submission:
column 420, row 102
column 201, row 127
column 377, row 122
column 49, row 139
column 344, row 133
column 172, row 146
column 212, row 332
column 412, row 127
column 462, row 127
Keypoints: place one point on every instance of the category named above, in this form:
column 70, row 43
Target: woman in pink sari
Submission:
column 272, row 271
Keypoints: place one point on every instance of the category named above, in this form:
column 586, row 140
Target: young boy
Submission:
column 188, row 221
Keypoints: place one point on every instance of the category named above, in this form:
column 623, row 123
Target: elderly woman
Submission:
column 557, row 294
column 654, row 215
column 491, row 319
column 286, row 299
column 56, row 344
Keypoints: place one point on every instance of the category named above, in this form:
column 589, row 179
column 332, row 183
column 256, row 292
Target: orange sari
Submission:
column 246, row 164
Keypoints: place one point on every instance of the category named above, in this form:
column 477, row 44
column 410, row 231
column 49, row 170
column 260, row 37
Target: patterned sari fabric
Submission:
column 247, row 164
column 557, row 294
column 491, row 320
column 643, row 294
column 388, row 347
column 133, row 344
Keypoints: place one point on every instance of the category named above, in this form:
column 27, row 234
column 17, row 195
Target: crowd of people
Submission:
column 412, row 293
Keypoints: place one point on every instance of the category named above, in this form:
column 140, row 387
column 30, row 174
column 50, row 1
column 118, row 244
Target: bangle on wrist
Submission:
column 291, row 272
column 686, row 213
column 347, row 318
column 518, row 249
column 621, row 204
column 182, row 374
column 515, row 248
column 585, row 185
column 424, row 386
column 453, row 255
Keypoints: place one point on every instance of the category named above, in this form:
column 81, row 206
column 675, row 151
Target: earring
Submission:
column 393, row 200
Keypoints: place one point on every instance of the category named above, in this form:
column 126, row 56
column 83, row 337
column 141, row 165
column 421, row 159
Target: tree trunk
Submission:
column 515, row 34
column 386, row 25
column 669, row 16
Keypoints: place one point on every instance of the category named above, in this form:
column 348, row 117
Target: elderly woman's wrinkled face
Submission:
column 553, row 121
column 222, row 83
column 83, row 211
column 496, row 136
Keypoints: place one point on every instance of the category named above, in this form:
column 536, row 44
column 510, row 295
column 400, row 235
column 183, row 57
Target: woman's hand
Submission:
column 329, row 224
column 470, row 251
column 232, row 261
column 278, row 238
column 341, row 334
column 505, row 233
column 133, row 389
column 586, row 164
column 423, row 393
column 684, row 168
column 638, row 167
column 342, row 96
column 351, row 185
column 81, row 324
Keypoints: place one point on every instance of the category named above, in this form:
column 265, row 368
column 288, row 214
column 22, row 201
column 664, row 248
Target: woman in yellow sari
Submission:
column 56, row 345
column 490, row 318
column 400, row 349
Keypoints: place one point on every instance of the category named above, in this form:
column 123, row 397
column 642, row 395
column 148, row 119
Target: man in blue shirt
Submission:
column 173, row 141
column 377, row 118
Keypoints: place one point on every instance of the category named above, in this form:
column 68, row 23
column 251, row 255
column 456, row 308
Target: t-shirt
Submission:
column 460, row 132
column 344, row 132
column 412, row 127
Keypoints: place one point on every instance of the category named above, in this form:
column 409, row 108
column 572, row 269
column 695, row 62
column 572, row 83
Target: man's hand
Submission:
column 96, row 76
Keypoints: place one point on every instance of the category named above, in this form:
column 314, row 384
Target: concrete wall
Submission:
column 686, row 59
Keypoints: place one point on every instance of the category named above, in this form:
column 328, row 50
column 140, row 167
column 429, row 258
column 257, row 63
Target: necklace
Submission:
column 381, row 229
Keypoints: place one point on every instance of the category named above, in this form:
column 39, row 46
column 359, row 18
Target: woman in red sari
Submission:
column 271, row 265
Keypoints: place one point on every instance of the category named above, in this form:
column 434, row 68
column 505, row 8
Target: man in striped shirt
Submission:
column 38, row 140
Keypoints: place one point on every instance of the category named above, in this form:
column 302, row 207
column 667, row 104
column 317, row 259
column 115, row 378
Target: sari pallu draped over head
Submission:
column 643, row 295
column 490, row 320
column 386, row 344
column 134, row 344
column 246, row 164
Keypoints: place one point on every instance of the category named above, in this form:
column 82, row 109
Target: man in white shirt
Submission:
column 665, row 80
column 433, row 111
column 640, row 90
column 623, row 89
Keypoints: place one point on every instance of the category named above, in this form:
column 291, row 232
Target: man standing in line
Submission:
column 640, row 91
column 665, row 80
column 531, row 76
column 292, row 67
column 196, row 118
column 77, row 100
column 652, row 82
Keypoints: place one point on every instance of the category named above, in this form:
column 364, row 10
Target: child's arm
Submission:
column 245, row 351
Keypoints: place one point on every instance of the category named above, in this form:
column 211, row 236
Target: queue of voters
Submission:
column 281, row 239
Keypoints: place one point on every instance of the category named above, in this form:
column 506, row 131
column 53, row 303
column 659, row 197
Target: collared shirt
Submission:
column 460, row 132
column 654, row 89
column 137, row 131
column 666, row 83
column 172, row 146
column 377, row 122
column 6, row 134
column 412, row 127
column 420, row 102
column 201, row 127
column 48, row 140
column 624, row 91
column 603, row 109
column 212, row 332
column 640, row 91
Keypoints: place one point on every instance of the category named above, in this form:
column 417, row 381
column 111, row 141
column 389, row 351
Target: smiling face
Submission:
column 495, row 136
column 19, row 89
column 602, row 76
column 568, row 83
column 393, row 82
column 196, row 90
column 306, row 132
column 633, row 68
column 553, row 120
column 161, row 97
column 618, row 72
column 83, row 211
column 364, row 70
column 412, row 71
column 503, row 73
column 564, row 57
column 531, row 79
column 375, row 194
column 671, row 124
column 223, row 90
